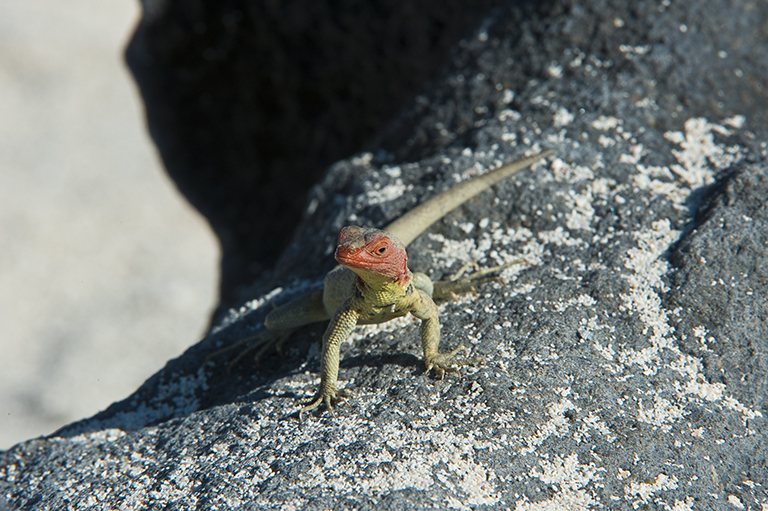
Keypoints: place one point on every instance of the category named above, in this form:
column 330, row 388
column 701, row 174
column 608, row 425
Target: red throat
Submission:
column 372, row 250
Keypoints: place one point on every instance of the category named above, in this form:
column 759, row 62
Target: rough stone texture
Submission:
column 625, row 364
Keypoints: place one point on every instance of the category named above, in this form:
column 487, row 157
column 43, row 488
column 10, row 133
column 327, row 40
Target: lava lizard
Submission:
column 373, row 284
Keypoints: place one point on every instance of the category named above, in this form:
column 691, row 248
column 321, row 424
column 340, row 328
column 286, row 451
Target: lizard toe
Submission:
column 321, row 398
column 450, row 362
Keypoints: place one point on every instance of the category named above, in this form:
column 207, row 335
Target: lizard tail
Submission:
column 412, row 224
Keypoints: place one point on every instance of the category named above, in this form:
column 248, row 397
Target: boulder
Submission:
column 625, row 360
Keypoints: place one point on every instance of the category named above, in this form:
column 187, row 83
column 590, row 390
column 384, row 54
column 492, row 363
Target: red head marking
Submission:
column 372, row 250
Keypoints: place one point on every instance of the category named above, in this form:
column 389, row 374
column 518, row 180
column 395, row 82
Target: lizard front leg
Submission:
column 426, row 310
column 339, row 329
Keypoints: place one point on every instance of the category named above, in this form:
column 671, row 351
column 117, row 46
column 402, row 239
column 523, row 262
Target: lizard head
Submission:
column 372, row 254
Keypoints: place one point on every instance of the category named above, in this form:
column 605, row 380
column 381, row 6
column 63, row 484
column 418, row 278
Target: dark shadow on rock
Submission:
column 249, row 102
column 198, row 381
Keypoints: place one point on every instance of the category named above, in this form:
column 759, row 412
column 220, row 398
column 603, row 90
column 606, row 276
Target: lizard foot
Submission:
column 446, row 290
column 447, row 362
column 327, row 398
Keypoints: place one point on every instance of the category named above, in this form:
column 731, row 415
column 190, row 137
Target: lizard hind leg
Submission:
column 257, row 345
column 280, row 324
column 458, row 284
column 261, row 344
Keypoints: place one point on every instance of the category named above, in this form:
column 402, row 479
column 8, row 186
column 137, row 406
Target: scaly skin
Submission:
column 384, row 290
column 373, row 284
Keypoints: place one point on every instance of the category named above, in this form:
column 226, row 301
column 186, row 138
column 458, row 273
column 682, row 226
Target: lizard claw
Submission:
column 327, row 398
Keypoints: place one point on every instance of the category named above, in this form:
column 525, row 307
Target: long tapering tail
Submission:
column 412, row 224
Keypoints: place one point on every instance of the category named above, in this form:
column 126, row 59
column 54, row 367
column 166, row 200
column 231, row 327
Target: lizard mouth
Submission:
column 354, row 258
column 347, row 256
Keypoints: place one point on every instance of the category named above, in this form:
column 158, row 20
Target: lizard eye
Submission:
column 381, row 250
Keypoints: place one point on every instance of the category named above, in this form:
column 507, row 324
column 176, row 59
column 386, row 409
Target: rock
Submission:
column 624, row 363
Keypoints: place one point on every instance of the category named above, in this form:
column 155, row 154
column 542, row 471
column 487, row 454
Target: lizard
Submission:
column 372, row 284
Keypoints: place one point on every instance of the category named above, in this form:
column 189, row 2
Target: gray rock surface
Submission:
column 625, row 363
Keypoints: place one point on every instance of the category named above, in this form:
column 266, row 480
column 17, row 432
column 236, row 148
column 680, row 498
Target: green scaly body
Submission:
column 355, row 295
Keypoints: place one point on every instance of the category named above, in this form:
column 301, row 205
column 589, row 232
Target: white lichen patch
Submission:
column 747, row 413
column 509, row 114
column 562, row 117
column 699, row 156
column 495, row 244
column 647, row 179
column 698, row 153
column 737, row 121
column 105, row 435
column 696, row 384
column 593, row 422
column 461, row 251
column 581, row 213
column 735, row 501
column 607, row 352
column 570, row 479
column 362, row 159
column 580, row 302
column 701, row 333
column 555, row 70
column 605, row 123
column 642, row 492
column 637, row 50
column 558, row 425
column 392, row 191
column 662, row 413
column 606, row 141
column 570, row 172
column 428, row 454
column 559, row 237
column 602, row 187
column 647, row 267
